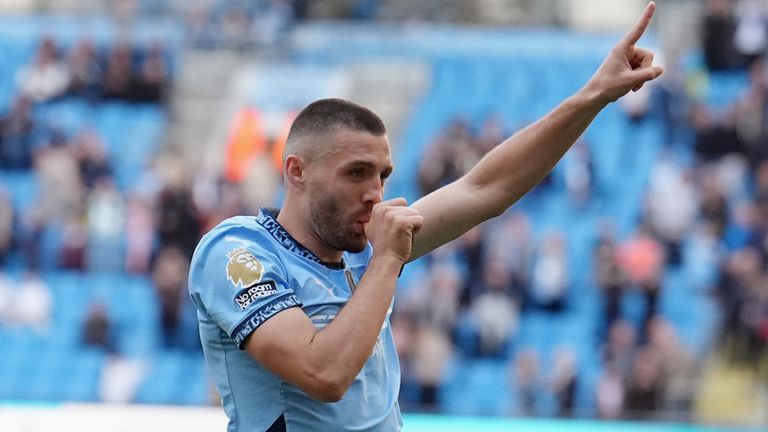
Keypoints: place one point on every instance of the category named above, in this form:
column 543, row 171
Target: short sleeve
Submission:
column 239, row 284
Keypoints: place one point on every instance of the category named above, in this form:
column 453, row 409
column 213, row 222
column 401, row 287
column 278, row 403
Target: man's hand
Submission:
column 392, row 227
column 627, row 67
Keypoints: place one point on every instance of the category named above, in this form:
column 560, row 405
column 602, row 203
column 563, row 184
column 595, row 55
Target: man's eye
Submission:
column 357, row 173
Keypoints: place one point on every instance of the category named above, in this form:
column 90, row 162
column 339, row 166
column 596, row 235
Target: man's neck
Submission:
column 290, row 218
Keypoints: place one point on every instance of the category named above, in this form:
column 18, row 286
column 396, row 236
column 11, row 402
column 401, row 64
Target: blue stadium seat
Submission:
column 175, row 378
column 467, row 390
column 22, row 188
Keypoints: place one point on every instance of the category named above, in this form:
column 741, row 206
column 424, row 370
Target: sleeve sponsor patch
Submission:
column 243, row 269
column 257, row 317
column 245, row 297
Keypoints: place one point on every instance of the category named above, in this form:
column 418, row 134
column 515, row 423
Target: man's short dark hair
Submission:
column 325, row 115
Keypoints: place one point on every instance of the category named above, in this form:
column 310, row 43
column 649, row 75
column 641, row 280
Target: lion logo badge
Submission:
column 243, row 269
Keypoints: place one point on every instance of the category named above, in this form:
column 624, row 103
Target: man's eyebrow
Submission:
column 360, row 163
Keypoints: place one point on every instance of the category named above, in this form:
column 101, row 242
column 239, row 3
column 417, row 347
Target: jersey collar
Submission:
column 267, row 218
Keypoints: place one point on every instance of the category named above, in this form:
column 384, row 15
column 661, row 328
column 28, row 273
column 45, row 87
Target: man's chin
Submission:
column 358, row 246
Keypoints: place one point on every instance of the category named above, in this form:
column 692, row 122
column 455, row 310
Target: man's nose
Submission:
column 374, row 194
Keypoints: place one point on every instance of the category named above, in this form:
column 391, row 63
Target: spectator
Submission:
column 471, row 249
column 439, row 302
column 579, row 174
column 6, row 300
column 97, row 331
column 672, row 205
column 644, row 390
column 177, row 222
column 33, row 303
column 7, row 226
column 731, row 174
column 642, row 258
column 619, row 350
column 702, row 256
column 92, row 158
column 17, row 136
column 404, row 328
column 751, row 114
column 447, row 158
column 610, row 392
column 31, row 227
column 609, row 277
column 494, row 313
column 741, row 229
column 151, row 81
column 170, row 277
column 514, row 246
column 675, row 105
column 730, row 289
column 564, row 380
column 120, row 379
column 636, row 105
column 750, row 35
column 47, row 77
column 229, row 202
column 61, row 190
column 748, row 302
column 85, row 71
column 550, row 282
column 718, row 33
column 74, row 244
column 139, row 234
column 761, row 182
column 715, row 134
column 714, row 205
column 117, row 78
column 106, row 227
column 678, row 368
column 526, row 372
column 431, row 354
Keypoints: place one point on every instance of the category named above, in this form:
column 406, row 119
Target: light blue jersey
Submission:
column 245, row 271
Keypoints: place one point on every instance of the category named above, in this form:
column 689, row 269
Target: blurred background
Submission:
column 631, row 285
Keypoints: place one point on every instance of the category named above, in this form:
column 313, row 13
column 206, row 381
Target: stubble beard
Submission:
column 331, row 230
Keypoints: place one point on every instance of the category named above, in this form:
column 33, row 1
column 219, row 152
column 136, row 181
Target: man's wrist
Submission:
column 590, row 97
column 386, row 263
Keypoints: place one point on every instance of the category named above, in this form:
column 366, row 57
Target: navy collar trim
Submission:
column 267, row 218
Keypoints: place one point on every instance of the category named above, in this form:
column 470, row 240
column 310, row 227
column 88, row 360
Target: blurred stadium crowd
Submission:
column 557, row 308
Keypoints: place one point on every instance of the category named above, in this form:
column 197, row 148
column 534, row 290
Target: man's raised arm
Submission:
column 514, row 167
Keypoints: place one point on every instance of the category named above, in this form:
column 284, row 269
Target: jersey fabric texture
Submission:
column 243, row 272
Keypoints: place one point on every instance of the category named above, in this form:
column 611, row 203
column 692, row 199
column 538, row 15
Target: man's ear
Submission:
column 294, row 170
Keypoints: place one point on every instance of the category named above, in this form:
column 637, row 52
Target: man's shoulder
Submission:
column 236, row 232
column 238, row 248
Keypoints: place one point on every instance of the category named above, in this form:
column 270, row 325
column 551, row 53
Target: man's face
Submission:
column 344, row 183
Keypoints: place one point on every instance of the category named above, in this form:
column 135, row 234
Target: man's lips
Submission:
column 362, row 222
column 364, row 218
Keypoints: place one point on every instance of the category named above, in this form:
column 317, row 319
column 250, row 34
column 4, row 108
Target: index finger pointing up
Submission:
column 634, row 35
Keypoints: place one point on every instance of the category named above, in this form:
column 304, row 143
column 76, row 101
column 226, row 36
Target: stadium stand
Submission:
column 111, row 251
